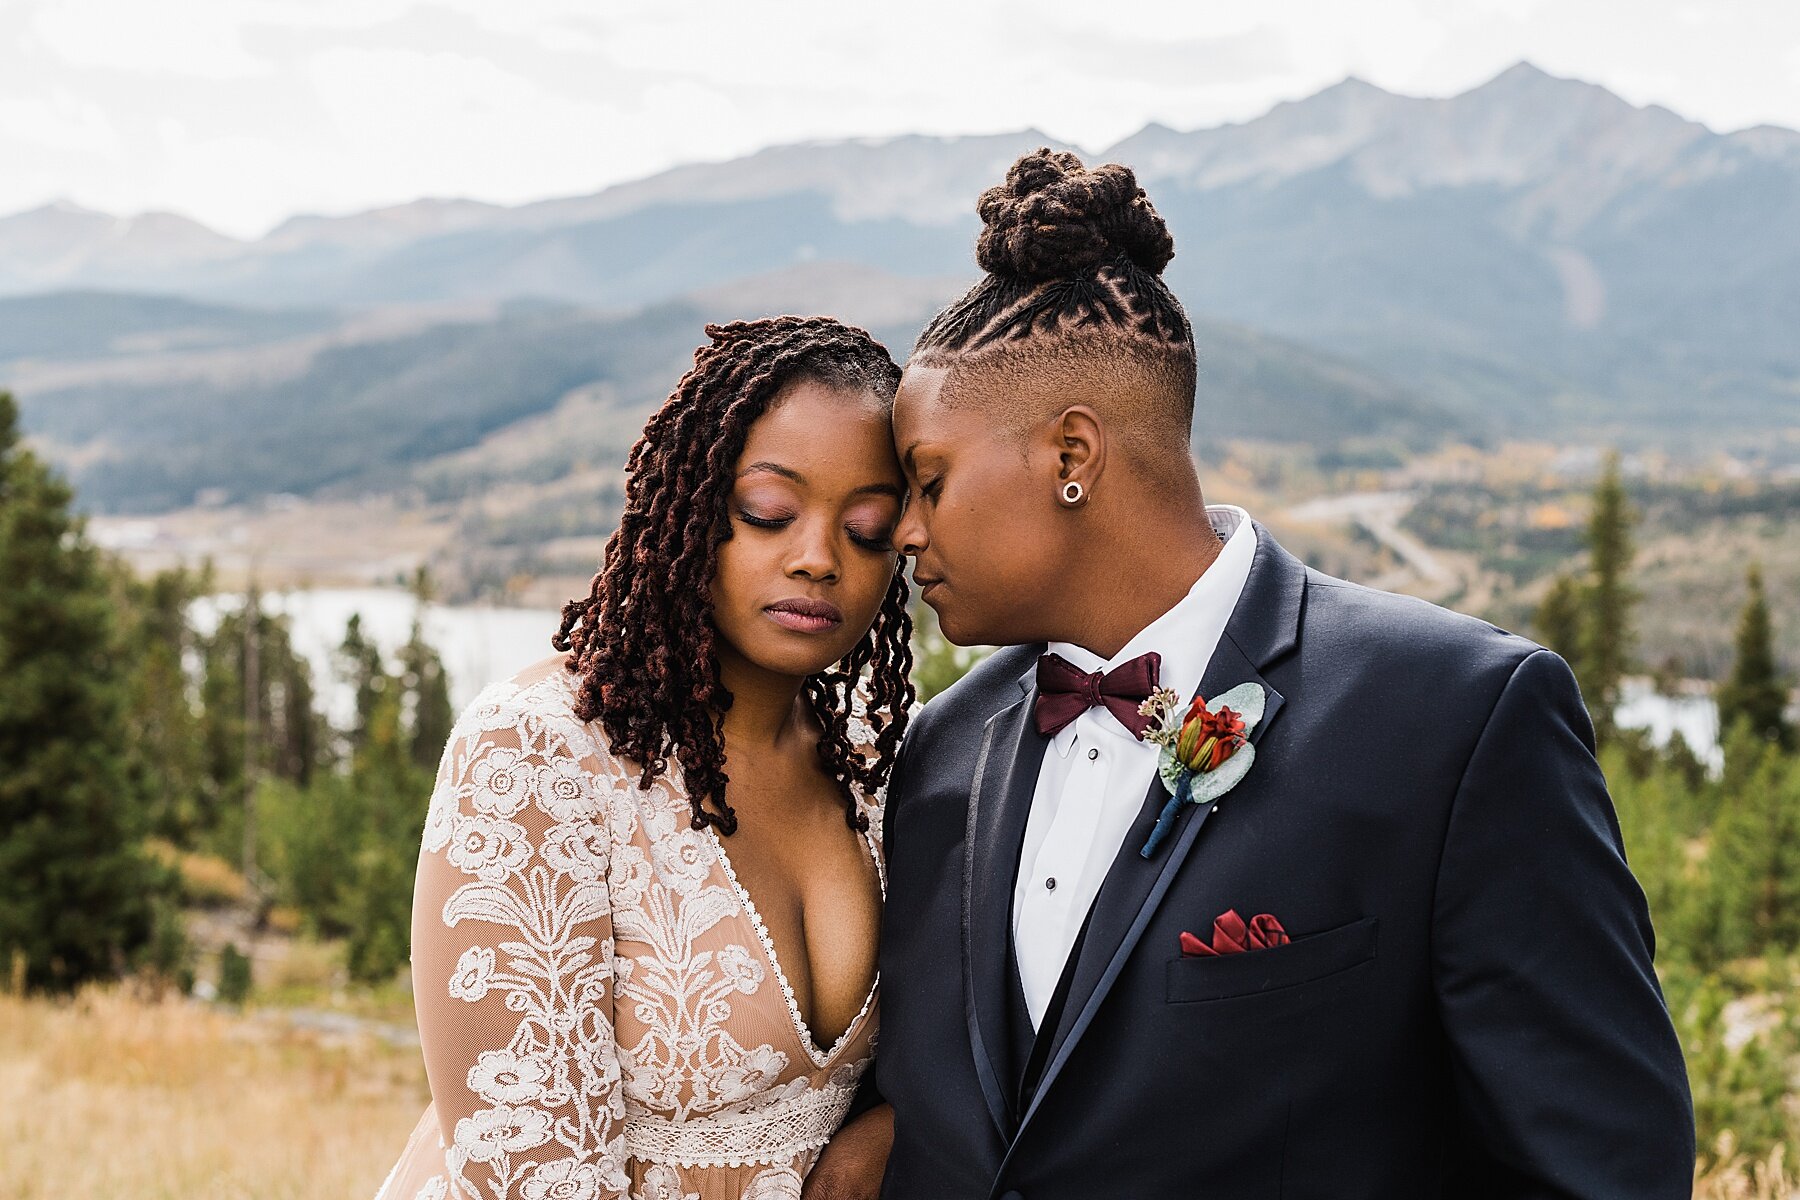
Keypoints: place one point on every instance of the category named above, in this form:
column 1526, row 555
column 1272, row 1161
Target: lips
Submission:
column 805, row 615
column 925, row 583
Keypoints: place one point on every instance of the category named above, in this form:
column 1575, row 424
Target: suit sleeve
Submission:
column 1566, row 1067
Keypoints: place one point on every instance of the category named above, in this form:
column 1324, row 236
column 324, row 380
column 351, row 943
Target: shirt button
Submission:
column 1093, row 754
column 1050, row 884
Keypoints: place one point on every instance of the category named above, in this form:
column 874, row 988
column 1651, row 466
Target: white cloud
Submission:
column 146, row 38
column 60, row 120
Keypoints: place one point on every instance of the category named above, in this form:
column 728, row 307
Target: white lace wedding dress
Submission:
column 602, row 1012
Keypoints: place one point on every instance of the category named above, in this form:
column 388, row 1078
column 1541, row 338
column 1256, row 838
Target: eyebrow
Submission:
column 773, row 469
column 873, row 489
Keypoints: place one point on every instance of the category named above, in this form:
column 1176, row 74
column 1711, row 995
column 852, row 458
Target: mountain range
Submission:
column 1535, row 257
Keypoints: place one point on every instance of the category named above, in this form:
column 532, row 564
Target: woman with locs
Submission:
column 647, row 904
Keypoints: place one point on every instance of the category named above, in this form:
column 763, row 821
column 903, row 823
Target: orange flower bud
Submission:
column 1208, row 738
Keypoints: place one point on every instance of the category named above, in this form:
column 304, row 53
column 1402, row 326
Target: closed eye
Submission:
column 883, row 542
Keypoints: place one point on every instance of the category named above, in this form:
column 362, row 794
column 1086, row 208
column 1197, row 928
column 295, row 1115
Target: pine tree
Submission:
column 1606, row 648
column 375, row 906
column 162, row 735
column 1560, row 622
column 359, row 661
column 289, row 742
column 1754, row 857
column 78, row 896
column 1651, row 812
column 425, row 686
column 1755, row 693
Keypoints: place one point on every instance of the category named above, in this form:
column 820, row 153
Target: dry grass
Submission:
column 206, row 880
column 115, row 1095
column 1728, row 1177
column 118, row 1095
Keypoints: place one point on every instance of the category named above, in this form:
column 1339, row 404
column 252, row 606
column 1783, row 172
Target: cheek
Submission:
column 866, row 584
column 991, row 531
column 736, row 579
column 1021, row 566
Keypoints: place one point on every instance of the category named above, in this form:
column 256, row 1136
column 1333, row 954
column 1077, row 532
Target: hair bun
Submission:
column 1055, row 219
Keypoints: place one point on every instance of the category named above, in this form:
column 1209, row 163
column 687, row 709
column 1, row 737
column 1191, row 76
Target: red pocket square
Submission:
column 1233, row 935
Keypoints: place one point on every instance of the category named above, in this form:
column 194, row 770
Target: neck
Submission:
column 766, row 710
column 1161, row 547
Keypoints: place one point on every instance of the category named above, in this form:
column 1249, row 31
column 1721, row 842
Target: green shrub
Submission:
column 234, row 974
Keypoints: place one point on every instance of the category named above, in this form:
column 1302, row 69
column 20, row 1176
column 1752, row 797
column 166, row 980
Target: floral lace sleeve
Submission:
column 513, row 960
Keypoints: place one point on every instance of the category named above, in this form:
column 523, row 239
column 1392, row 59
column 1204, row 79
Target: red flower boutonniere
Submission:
column 1206, row 750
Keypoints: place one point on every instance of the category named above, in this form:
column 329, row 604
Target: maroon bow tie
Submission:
column 1065, row 691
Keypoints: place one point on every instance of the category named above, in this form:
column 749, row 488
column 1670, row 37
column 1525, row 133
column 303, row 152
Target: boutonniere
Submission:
column 1205, row 749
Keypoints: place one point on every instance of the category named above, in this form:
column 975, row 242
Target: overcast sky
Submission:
column 241, row 112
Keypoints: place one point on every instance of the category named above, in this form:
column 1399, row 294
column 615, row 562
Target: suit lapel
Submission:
column 1263, row 626
column 999, row 802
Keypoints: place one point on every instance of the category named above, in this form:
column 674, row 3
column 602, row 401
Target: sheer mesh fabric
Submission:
column 602, row 1014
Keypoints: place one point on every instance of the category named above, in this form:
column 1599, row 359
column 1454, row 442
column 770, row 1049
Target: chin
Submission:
column 788, row 659
column 1003, row 628
column 957, row 631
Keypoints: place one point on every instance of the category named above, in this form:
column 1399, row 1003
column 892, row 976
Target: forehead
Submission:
column 829, row 435
column 935, row 412
column 920, row 410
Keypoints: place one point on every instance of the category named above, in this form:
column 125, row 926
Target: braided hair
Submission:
column 643, row 639
column 1069, row 253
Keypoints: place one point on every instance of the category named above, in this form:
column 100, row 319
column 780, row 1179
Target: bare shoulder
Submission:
column 542, row 669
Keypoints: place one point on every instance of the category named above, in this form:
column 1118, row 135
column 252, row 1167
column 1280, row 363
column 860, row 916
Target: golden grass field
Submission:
column 118, row 1096
column 113, row 1096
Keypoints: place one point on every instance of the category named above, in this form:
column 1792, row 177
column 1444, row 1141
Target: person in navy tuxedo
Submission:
column 1399, row 955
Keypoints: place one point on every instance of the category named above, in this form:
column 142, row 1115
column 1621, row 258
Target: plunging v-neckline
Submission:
column 820, row 1058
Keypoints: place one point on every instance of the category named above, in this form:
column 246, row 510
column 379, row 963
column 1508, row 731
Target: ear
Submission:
column 1080, row 441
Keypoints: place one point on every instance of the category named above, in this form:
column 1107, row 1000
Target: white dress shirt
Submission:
column 1095, row 774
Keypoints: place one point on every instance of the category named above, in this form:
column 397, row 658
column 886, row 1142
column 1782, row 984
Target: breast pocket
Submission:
column 1253, row 972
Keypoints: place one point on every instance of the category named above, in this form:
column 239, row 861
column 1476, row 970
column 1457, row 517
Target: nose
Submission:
column 909, row 535
column 813, row 554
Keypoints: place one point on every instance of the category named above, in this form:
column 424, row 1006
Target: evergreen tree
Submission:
column 345, row 847
column 425, row 686
column 360, row 665
column 289, row 741
column 163, row 737
column 1755, row 693
column 1606, row 648
column 1586, row 616
column 77, row 894
column 1754, row 858
column 1560, row 622
column 375, row 907
column 1651, row 814
column 308, row 844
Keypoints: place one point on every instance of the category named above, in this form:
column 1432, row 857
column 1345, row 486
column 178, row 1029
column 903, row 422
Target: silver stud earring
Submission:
column 1072, row 493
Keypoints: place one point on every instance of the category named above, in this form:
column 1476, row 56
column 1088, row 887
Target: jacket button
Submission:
column 1013, row 1196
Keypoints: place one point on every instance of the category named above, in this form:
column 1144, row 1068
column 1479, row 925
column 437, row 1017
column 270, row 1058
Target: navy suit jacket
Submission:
column 1467, row 1008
